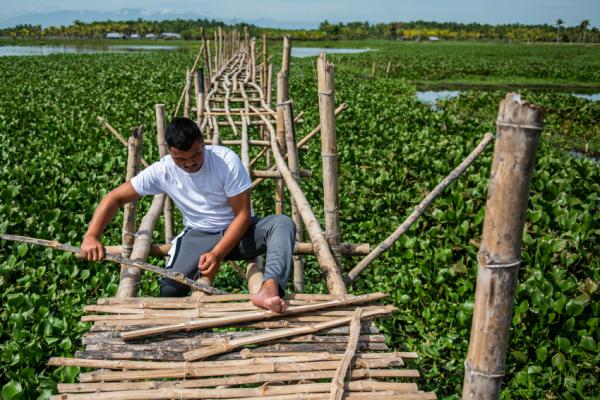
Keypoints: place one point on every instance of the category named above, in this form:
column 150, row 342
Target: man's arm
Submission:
column 240, row 204
column 91, row 247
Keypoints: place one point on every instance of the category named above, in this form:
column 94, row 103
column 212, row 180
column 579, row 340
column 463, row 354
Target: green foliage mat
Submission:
column 56, row 162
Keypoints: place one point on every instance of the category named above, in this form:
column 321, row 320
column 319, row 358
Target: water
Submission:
column 69, row 49
column 431, row 97
column 592, row 97
column 315, row 51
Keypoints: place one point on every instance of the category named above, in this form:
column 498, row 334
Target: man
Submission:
column 211, row 188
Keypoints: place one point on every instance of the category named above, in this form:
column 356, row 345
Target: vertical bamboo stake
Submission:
column 265, row 69
column 282, row 94
column 217, row 66
column 293, row 164
column 208, row 65
column 269, row 85
column 373, row 69
column 221, row 60
column 387, row 69
column 134, row 157
column 287, row 49
column 253, row 60
column 329, row 154
column 186, row 99
column 199, row 89
column 518, row 132
column 163, row 151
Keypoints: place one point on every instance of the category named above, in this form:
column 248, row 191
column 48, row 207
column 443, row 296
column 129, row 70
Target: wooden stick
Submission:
column 333, row 277
column 337, row 382
column 253, row 316
column 119, row 137
column 331, row 199
column 186, row 100
column 177, row 277
column 519, row 128
column 420, row 209
column 213, row 299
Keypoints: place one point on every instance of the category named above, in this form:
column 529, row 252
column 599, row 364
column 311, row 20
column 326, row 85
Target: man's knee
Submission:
column 284, row 223
column 169, row 288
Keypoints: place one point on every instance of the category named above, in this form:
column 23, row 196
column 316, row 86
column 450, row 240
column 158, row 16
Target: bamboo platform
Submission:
column 298, row 355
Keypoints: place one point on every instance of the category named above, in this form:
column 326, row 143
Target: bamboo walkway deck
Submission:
column 296, row 356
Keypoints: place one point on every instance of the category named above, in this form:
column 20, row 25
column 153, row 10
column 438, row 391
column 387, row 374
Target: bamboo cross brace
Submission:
column 252, row 316
column 337, row 382
column 229, row 345
column 177, row 277
column 419, row 209
column 119, row 137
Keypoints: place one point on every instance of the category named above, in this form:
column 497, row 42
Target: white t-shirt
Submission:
column 200, row 196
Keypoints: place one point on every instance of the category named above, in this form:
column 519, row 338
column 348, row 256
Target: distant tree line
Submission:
column 416, row 30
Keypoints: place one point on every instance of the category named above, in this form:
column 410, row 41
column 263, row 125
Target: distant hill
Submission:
column 67, row 17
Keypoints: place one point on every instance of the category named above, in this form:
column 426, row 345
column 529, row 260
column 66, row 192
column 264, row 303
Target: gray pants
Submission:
column 273, row 235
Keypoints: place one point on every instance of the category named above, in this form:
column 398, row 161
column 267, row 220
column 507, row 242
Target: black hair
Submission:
column 182, row 133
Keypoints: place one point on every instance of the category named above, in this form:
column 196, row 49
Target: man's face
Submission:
column 190, row 160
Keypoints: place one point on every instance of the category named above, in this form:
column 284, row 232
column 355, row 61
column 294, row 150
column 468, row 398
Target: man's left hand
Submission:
column 209, row 264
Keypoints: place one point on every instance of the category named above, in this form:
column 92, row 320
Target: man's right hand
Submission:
column 92, row 249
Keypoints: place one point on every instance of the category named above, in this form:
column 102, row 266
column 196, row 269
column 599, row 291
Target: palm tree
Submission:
column 559, row 23
column 583, row 27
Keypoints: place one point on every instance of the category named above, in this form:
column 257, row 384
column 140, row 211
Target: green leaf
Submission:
column 574, row 307
column 534, row 369
column 587, row 343
column 559, row 362
column 11, row 390
column 22, row 249
column 541, row 353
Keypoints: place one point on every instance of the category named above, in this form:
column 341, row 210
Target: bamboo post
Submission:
column 253, row 60
column 163, row 151
column 269, row 92
column 134, row 156
column 217, row 66
column 209, row 65
column 292, row 156
column 186, row 99
column 287, row 49
column 420, row 209
column 265, row 68
column 373, row 69
column 329, row 154
column 387, row 69
column 519, row 127
column 282, row 95
column 200, row 96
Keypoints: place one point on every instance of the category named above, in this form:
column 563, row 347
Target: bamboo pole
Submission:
column 519, row 128
column 134, row 157
column 337, row 382
column 282, row 96
column 420, row 209
column 119, row 137
column 333, row 276
column 331, row 201
column 292, row 156
column 163, row 151
column 186, row 98
column 116, row 259
column 265, row 69
column 300, row 248
column 252, row 316
column 229, row 345
column 199, row 94
column 253, row 60
column 287, row 50
column 387, row 69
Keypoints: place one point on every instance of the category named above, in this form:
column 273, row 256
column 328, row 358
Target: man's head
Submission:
column 186, row 144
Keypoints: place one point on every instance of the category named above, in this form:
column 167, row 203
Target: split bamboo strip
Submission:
column 253, row 316
column 337, row 382
column 519, row 128
column 134, row 156
column 331, row 201
column 117, row 259
column 163, row 151
column 119, row 137
column 229, row 345
column 420, row 209
column 333, row 276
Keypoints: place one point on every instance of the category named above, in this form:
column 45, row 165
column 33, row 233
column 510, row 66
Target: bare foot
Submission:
column 268, row 297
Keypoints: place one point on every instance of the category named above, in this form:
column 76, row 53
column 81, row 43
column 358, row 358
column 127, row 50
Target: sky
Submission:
column 483, row 11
